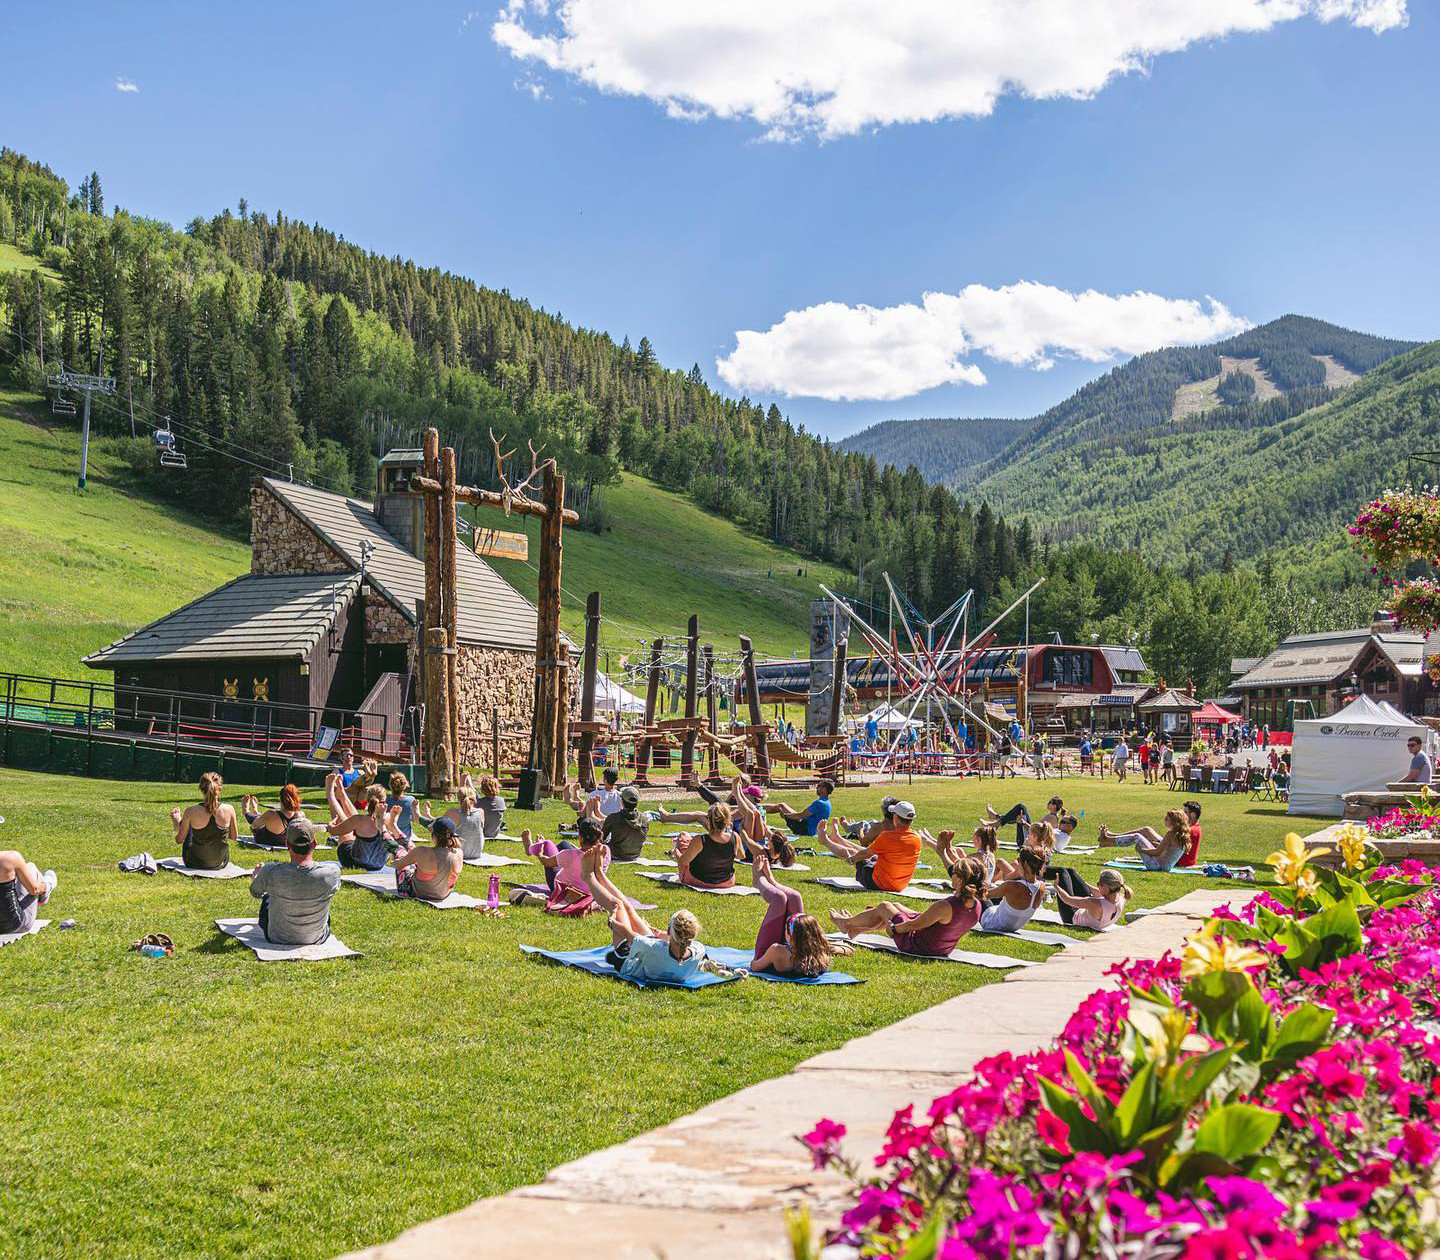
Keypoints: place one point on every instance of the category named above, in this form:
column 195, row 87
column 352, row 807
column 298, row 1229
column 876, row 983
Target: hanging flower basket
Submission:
column 1416, row 605
column 1398, row 526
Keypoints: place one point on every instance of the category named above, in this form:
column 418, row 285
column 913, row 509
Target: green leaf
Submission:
column 924, row 1244
column 1253, row 1021
column 1085, row 1134
column 1304, row 1031
column 1085, row 1084
column 1214, row 995
column 1235, row 1131
column 1135, row 1111
column 1351, row 889
column 1193, row 1077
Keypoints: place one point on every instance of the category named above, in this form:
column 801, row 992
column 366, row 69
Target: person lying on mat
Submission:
column 789, row 942
column 865, row 830
column 368, row 846
column 579, row 877
column 741, row 789
column 930, row 933
column 887, row 862
column 468, row 817
column 1017, row 898
column 24, row 888
column 808, row 821
column 206, row 831
column 749, row 824
column 268, row 825
column 638, row 952
column 986, row 843
column 400, row 808
column 625, row 830
column 1020, row 816
column 1082, row 906
column 430, row 874
column 708, row 860
column 1156, row 852
column 295, row 895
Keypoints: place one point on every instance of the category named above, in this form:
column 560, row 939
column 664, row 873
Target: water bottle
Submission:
column 492, row 899
column 153, row 951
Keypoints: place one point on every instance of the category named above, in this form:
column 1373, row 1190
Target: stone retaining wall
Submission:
column 280, row 542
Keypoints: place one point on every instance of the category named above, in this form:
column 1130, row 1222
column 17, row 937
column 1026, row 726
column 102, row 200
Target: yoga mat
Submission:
column 848, row 883
column 995, row 962
column 671, row 863
column 494, row 859
column 742, row 957
column 10, row 938
column 228, row 871
column 248, row 933
column 593, row 961
column 383, row 883
column 251, row 843
column 1126, row 865
column 1035, row 938
column 673, row 881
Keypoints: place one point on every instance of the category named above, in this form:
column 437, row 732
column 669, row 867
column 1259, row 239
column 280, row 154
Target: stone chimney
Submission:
column 1382, row 622
column 400, row 509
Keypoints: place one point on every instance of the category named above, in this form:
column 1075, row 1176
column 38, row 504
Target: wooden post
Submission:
column 652, row 693
column 449, row 598
column 495, row 742
column 549, row 736
column 837, row 688
column 588, row 670
column 1022, row 690
column 757, row 716
column 440, row 772
column 712, row 716
column 692, row 677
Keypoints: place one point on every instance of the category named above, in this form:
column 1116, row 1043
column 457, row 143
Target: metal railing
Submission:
column 272, row 729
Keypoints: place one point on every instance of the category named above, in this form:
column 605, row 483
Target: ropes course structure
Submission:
column 932, row 674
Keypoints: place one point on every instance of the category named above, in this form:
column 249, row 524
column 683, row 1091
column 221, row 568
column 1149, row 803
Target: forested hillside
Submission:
column 943, row 449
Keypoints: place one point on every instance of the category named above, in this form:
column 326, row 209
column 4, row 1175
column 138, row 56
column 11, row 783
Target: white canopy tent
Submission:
column 888, row 718
column 611, row 697
column 1359, row 749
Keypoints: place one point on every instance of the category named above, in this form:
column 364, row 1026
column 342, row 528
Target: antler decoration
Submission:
column 509, row 493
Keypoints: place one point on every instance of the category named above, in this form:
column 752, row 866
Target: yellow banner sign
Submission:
column 501, row 544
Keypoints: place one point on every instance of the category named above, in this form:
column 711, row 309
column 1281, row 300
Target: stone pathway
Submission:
column 713, row 1185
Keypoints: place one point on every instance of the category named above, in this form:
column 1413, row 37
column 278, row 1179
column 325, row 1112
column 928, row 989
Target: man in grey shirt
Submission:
column 1420, row 770
column 295, row 895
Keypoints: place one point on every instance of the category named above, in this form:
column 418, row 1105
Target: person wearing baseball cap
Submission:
column 887, row 861
column 625, row 829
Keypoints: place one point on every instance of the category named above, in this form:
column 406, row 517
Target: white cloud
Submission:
column 836, row 67
column 840, row 352
column 122, row 84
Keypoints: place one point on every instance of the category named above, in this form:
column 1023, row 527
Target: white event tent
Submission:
column 611, row 697
column 888, row 718
column 1359, row 749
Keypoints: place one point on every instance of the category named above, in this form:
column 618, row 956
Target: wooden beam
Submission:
column 548, row 735
column 692, row 677
column 436, row 641
column 450, row 598
column 837, row 688
column 757, row 716
column 588, row 675
column 520, row 504
column 712, row 716
column 652, row 693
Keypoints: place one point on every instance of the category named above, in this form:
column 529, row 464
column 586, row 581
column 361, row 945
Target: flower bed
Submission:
column 1389, row 530
column 1274, row 1092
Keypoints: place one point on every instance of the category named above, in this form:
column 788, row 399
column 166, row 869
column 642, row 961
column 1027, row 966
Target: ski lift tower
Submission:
column 83, row 382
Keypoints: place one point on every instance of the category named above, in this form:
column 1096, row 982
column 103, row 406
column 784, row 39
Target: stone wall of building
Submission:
column 495, row 678
column 280, row 542
column 384, row 623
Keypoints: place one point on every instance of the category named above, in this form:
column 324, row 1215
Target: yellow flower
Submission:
column 1426, row 795
column 1206, row 952
column 1165, row 1036
column 1290, row 862
column 1352, row 841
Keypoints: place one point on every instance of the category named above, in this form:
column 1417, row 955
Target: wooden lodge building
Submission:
column 326, row 618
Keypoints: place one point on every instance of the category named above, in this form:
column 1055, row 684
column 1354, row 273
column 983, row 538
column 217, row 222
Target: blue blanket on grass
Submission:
column 593, row 961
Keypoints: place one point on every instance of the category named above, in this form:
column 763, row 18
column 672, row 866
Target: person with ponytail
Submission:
column 1019, row 897
column 639, row 952
column 468, row 818
column 749, row 824
column 708, row 860
column 268, row 826
column 933, row 932
column 789, row 942
column 367, row 847
column 430, row 874
column 1084, row 907
column 206, row 831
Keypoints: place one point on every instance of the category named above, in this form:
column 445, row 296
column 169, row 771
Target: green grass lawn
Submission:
column 12, row 258
column 212, row 1105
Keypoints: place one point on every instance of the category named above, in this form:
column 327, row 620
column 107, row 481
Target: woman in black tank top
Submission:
column 708, row 861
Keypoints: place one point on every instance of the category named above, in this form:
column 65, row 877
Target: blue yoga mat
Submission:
column 742, row 957
column 593, row 961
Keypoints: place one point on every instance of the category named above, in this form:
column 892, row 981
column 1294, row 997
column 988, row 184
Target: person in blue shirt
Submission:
column 872, row 732
column 1017, row 732
column 808, row 821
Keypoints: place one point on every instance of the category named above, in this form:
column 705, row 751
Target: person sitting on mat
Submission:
column 430, row 874
column 1156, row 852
column 986, row 844
column 467, row 817
column 268, row 826
column 1082, row 906
column 708, row 860
column 488, row 798
column 789, row 942
column 1192, row 845
column 1020, row 816
column 639, row 952
column 808, row 821
column 749, row 824
column 400, row 808
column 24, row 888
column 600, row 803
column 1017, row 898
column 368, row 846
column 930, row 933
column 206, row 831
column 295, row 895
column 625, row 830
column 578, row 877
column 886, row 862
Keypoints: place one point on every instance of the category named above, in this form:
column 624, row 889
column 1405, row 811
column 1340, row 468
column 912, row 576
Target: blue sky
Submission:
column 1293, row 169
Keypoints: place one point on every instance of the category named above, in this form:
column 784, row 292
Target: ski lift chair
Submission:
column 171, row 458
column 62, row 406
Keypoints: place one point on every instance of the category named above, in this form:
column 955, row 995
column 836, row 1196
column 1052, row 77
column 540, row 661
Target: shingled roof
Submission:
column 277, row 617
column 492, row 612
column 1321, row 658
